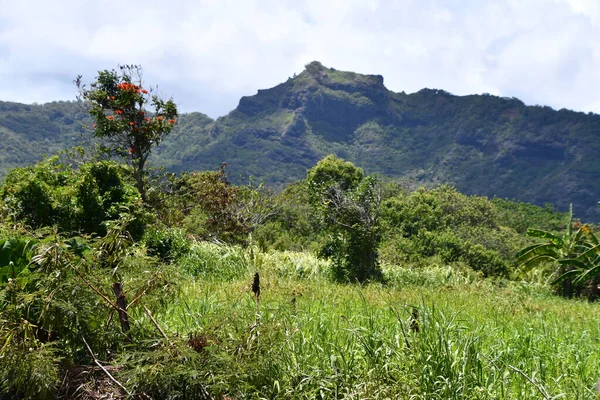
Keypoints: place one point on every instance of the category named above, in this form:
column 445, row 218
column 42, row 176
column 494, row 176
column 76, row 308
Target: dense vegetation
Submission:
column 481, row 144
column 341, row 285
column 77, row 240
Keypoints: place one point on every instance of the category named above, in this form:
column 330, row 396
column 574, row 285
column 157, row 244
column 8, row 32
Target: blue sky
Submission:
column 206, row 54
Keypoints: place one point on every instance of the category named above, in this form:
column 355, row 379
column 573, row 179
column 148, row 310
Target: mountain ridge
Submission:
column 483, row 144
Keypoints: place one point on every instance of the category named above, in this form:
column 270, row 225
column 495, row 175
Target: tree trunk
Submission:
column 139, row 177
column 122, row 303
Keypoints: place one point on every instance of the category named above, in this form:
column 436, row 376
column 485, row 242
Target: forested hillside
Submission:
column 482, row 144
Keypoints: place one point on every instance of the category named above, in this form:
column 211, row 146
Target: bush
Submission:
column 103, row 193
column 206, row 205
column 29, row 371
column 167, row 245
column 39, row 195
column 293, row 226
column 74, row 200
column 436, row 209
column 449, row 247
column 447, row 224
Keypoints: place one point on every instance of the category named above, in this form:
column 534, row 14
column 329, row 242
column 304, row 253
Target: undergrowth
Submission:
column 427, row 332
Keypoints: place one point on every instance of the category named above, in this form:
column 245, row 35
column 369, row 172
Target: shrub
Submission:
column 39, row 195
column 167, row 245
column 74, row 200
column 103, row 194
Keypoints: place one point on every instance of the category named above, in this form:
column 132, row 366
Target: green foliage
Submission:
column 169, row 372
column 63, row 296
column 213, row 261
column 333, row 171
column 29, row 371
column 104, row 193
column 305, row 337
column 30, row 131
column 576, row 253
column 437, row 209
column 483, row 144
column 15, row 256
column 39, row 311
column 40, row 195
column 311, row 338
column 166, row 244
column 52, row 194
column 520, row 216
column 445, row 223
column 293, row 225
column 208, row 206
column 348, row 207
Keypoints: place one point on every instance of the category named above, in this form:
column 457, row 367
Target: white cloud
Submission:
column 209, row 53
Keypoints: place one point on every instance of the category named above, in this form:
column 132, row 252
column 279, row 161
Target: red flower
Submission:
column 110, row 117
column 171, row 121
column 160, row 118
column 129, row 86
column 144, row 91
column 147, row 119
column 132, row 123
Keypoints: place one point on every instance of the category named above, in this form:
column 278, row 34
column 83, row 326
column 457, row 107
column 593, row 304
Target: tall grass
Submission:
column 315, row 339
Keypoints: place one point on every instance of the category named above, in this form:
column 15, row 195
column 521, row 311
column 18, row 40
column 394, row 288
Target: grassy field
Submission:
column 432, row 333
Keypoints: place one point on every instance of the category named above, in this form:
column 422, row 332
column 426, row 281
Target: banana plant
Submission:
column 577, row 252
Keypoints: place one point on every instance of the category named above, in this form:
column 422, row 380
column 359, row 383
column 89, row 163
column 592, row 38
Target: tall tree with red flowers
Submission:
column 128, row 117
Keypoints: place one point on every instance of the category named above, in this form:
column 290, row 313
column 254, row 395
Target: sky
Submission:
column 206, row 54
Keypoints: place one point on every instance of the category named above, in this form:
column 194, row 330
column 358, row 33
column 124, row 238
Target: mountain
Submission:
column 29, row 131
column 482, row 144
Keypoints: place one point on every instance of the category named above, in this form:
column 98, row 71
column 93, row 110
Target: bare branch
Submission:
column 112, row 378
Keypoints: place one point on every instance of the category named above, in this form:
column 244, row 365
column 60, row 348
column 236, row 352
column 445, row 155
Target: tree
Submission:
column 207, row 205
column 348, row 205
column 119, row 106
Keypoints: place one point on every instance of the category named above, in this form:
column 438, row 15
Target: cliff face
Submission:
column 482, row 144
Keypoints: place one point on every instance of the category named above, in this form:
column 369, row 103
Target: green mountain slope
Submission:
column 482, row 144
column 29, row 131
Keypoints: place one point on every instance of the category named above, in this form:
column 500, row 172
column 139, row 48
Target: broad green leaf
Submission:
column 589, row 253
column 544, row 235
column 548, row 250
column 565, row 276
column 536, row 260
column 572, row 262
column 590, row 273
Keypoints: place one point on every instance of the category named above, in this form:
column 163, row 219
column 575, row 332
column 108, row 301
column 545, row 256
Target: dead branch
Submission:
column 112, row 378
column 164, row 335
